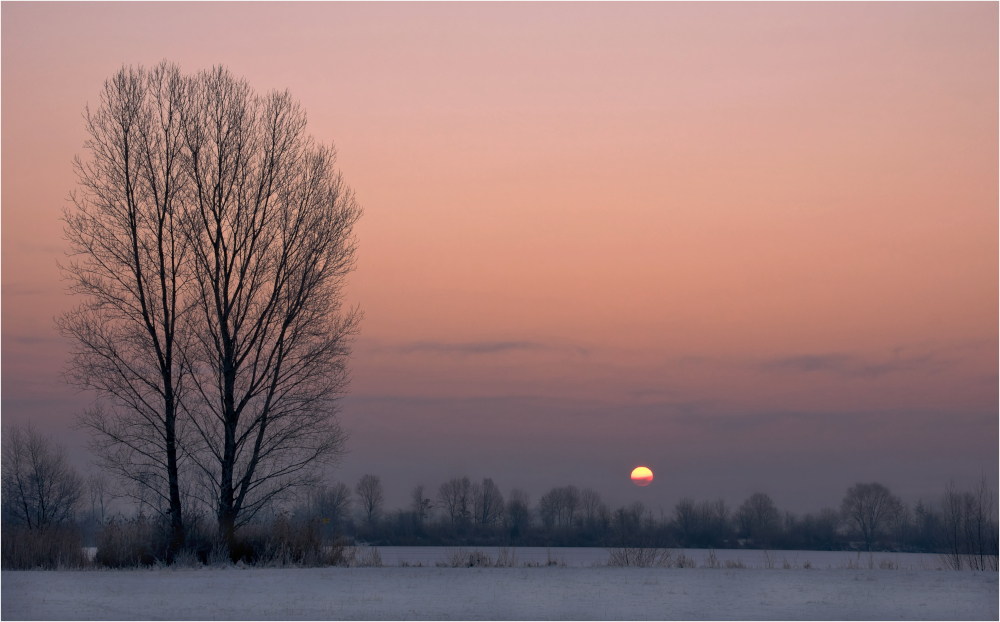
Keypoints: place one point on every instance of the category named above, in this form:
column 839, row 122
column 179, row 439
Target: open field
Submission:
column 751, row 558
column 499, row 593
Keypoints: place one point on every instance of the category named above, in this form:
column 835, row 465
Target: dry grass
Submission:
column 646, row 557
column 360, row 557
column 284, row 543
column 130, row 543
column 50, row 548
column 506, row 558
column 712, row 561
column 462, row 558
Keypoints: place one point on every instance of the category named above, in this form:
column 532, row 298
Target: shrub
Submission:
column 641, row 557
column 683, row 561
column 285, row 543
column 465, row 559
column 712, row 561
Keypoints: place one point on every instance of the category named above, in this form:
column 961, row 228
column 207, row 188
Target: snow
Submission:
column 548, row 592
column 591, row 556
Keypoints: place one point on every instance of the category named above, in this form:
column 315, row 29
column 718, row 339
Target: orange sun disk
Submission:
column 642, row 476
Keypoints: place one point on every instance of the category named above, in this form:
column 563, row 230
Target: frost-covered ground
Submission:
column 551, row 592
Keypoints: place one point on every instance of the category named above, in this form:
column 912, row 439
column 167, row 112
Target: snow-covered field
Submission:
column 552, row 592
column 593, row 556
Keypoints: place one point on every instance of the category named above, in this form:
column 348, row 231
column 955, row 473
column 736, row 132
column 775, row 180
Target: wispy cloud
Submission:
column 474, row 348
column 31, row 340
column 850, row 366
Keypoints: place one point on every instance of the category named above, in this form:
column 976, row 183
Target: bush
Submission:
column 290, row 543
column 49, row 548
column 465, row 559
column 641, row 557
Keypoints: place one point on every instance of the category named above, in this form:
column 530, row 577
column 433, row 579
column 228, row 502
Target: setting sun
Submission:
column 642, row 476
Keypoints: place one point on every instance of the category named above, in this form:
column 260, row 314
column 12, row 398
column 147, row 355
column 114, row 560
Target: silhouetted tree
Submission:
column 517, row 516
column 814, row 531
column 419, row 504
column 969, row 527
column 488, row 503
column 213, row 237
column 370, row 497
column 926, row 526
column 590, row 504
column 559, row 505
column 713, row 523
column 632, row 526
column 99, row 495
column 869, row 508
column 758, row 518
column 130, row 264
column 455, row 496
column 686, row 519
column 271, row 242
column 900, row 525
column 39, row 487
column 331, row 504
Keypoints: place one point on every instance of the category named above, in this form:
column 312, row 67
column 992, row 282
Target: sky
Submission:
column 753, row 247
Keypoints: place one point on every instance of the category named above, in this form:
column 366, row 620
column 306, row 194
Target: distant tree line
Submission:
column 962, row 524
column 51, row 509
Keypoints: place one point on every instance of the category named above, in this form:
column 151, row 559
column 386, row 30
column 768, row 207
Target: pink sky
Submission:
column 753, row 246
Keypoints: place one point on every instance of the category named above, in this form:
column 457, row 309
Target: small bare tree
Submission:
column 517, row 516
column 128, row 264
column 869, row 508
column 970, row 527
column 571, row 502
column 39, row 486
column 488, row 503
column 590, row 503
column 558, row 506
column 99, row 496
column 686, row 518
column 330, row 504
column 758, row 518
column 419, row 504
column 370, row 496
column 455, row 496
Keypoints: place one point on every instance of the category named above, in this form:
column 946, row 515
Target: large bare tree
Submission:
column 211, row 239
column 271, row 235
column 129, row 263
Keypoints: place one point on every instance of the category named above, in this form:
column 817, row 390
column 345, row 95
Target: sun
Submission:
column 642, row 476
